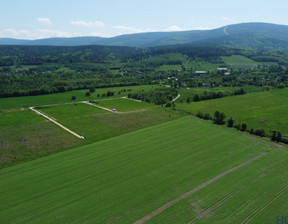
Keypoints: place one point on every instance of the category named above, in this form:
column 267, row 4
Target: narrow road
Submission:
column 176, row 97
column 127, row 98
column 102, row 108
column 199, row 187
column 55, row 122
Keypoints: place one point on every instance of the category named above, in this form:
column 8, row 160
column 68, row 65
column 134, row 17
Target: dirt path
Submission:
column 94, row 105
column 55, row 122
column 176, row 97
column 169, row 204
column 124, row 97
column 207, row 211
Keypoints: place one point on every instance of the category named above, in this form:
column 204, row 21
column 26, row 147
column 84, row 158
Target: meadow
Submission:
column 240, row 61
column 265, row 110
column 65, row 97
column 26, row 136
column 122, row 179
column 124, row 105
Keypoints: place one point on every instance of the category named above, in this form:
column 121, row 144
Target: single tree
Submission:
column 230, row 122
column 279, row 136
column 219, row 118
column 196, row 98
column 73, row 98
column 243, row 127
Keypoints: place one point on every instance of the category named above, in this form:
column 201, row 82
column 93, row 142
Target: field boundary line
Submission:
column 127, row 98
column 261, row 208
column 199, row 187
column 227, row 197
column 176, row 97
column 55, row 122
column 94, row 105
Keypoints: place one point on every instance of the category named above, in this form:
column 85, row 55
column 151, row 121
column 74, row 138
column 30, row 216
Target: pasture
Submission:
column 26, row 136
column 267, row 110
column 122, row 179
column 96, row 124
column 65, row 97
column 239, row 61
column 124, row 105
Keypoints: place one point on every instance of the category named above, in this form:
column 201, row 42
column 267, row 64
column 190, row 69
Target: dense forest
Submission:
column 34, row 70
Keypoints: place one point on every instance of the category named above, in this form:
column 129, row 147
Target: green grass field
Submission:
column 25, row 136
column 124, row 178
column 65, row 97
column 254, row 194
column 96, row 124
column 265, row 110
column 124, row 105
column 240, row 61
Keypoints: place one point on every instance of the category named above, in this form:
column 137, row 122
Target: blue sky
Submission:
column 35, row 19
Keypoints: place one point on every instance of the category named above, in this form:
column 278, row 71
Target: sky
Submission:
column 37, row 19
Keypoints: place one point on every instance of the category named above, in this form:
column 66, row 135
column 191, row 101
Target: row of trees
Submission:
column 216, row 94
column 219, row 118
column 159, row 96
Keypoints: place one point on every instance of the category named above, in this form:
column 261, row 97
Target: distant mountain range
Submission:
column 245, row 35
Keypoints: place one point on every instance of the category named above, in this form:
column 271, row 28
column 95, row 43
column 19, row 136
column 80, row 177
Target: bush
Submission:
column 87, row 94
column 207, row 116
column 260, row 132
column 73, row 98
column 199, row 114
column 230, row 122
column 243, row 127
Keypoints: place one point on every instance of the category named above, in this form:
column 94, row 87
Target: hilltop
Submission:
column 248, row 35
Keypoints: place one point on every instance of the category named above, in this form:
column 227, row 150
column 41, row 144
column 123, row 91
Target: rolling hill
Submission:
column 248, row 35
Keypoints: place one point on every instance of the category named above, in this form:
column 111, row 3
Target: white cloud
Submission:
column 46, row 33
column 99, row 34
column 202, row 28
column 88, row 23
column 225, row 18
column 35, row 34
column 174, row 28
column 12, row 33
column 44, row 21
column 129, row 30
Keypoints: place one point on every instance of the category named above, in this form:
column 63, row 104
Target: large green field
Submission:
column 65, row 97
column 122, row 179
column 267, row 110
column 25, row 136
column 96, row 124
column 240, row 61
column 124, row 105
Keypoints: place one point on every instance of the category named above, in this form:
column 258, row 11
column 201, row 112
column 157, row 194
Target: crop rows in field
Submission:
column 266, row 110
column 127, row 177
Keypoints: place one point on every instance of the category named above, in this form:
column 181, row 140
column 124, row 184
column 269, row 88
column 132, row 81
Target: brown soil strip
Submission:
column 199, row 187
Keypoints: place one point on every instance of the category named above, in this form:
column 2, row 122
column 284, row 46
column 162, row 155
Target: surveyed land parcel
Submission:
column 124, row 178
column 267, row 110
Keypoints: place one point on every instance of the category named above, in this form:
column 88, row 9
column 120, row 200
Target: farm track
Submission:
column 176, row 97
column 55, row 122
column 199, row 187
column 94, row 105
column 124, row 97
column 227, row 197
column 267, row 203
